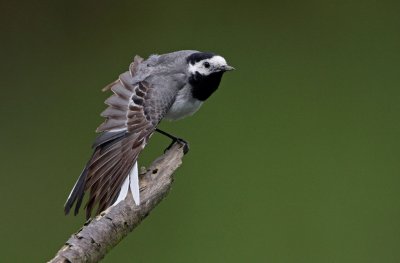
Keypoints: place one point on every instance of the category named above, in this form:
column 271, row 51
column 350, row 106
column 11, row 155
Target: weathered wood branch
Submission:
column 101, row 234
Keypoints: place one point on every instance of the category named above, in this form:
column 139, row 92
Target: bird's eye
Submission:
column 206, row 64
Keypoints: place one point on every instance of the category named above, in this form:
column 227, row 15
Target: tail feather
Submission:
column 124, row 191
column 76, row 194
column 134, row 184
column 131, row 182
column 104, row 140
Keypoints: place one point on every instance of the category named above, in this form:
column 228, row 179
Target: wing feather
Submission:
column 134, row 110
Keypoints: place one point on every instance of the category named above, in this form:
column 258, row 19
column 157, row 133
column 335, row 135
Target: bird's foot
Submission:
column 175, row 139
column 184, row 144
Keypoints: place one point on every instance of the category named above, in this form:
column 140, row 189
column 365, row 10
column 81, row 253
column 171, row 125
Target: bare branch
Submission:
column 101, row 234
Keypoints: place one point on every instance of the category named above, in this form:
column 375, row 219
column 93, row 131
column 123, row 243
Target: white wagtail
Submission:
column 170, row 86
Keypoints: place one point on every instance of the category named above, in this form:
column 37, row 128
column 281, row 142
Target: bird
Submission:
column 169, row 86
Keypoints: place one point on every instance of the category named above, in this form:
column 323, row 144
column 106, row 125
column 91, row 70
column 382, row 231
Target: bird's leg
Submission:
column 175, row 139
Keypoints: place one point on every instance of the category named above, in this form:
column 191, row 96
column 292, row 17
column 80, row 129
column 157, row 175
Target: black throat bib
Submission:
column 204, row 86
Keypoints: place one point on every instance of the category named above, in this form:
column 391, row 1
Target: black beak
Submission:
column 227, row 68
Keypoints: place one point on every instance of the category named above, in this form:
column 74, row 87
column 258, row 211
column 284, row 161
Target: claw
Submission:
column 184, row 143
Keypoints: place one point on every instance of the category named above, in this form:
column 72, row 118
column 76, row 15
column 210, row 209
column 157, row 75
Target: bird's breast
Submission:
column 184, row 105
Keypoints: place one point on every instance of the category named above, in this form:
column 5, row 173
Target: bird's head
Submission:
column 206, row 70
column 205, row 63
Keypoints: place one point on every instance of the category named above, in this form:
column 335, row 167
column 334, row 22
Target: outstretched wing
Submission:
column 134, row 111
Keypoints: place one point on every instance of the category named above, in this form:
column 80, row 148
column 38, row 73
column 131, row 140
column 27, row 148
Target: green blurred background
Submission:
column 294, row 159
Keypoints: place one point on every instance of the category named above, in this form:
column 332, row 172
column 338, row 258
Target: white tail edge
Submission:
column 124, row 191
column 132, row 182
column 134, row 178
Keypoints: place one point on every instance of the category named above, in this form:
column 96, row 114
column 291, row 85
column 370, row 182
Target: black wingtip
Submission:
column 67, row 208
column 77, row 194
column 68, row 205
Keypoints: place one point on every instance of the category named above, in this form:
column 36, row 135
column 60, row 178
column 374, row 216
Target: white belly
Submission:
column 184, row 105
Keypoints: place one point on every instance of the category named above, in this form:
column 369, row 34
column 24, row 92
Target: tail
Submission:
column 102, row 142
column 131, row 182
column 76, row 194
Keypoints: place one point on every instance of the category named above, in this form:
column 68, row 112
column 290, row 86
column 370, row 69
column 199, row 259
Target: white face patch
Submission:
column 215, row 63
